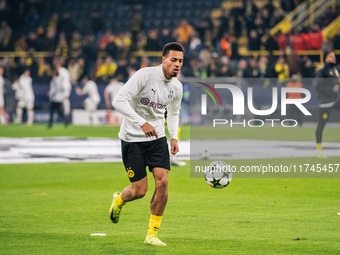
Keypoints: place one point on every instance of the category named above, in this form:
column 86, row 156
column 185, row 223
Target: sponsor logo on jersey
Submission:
column 146, row 101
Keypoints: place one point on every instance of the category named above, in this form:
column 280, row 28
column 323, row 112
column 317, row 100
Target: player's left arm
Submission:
column 173, row 121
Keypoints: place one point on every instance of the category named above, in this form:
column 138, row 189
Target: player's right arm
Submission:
column 122, row 103
column 79, row 91
column 107, row 97
column 52, row 88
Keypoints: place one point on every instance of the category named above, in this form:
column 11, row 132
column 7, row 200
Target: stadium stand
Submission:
column 247, row 39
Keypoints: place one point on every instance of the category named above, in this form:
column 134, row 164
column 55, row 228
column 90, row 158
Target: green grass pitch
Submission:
column 53, row 208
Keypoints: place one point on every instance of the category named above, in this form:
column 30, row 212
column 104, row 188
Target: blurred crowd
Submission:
column 212, row 46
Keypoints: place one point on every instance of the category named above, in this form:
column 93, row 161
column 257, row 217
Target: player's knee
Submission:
column 140, row 192
column 162, row 184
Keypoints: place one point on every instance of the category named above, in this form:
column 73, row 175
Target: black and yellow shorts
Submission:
column 137, row 155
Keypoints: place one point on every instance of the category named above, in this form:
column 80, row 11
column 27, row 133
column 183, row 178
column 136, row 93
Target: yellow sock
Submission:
column 154, row 224
column 318, row 146
column 119, row 202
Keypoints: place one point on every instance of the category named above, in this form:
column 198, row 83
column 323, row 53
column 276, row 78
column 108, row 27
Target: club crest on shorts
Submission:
column 130, row 172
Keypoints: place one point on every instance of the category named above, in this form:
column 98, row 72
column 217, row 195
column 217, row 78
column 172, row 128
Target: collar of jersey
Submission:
column 162, row 74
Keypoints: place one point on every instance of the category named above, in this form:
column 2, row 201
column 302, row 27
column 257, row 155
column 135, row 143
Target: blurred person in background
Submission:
column 136, row 25
column 21, row 66
column 106, row 70
column 262, row 66
column 297, row 41
column 111, row 91
column 281, row 40
column 5, row 36
column 66, row 25
column 2, row 100
column 62, row 49
column 327, row 87
column 282, row 69
column 16, row 88
column 336, row 42
column 242, row 69
column 97, row 24
column 307, row 68
column 253, row 68
column 56, row 98
column 75, row 44
column 153, row 42
column 26, row 99
column 315, row 38
column 91, row 102
column 44, row 71
column 183, row 32
column 165, row 36
column 254, row 43
column 76, row 68
column 293, row 60
column 64, row 79
column 270, row 44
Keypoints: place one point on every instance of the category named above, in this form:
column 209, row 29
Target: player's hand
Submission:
column 49, row 94
column 336, row 88
column 78, row 91
column 149, row 130
column 174, row 146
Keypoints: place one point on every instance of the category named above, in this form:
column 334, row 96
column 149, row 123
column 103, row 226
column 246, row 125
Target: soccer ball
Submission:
column 218, row 175
column 205, row 154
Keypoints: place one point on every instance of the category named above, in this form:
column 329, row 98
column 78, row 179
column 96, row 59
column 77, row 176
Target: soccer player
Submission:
column 2, row 101
column 327, row 87
column 93, row 99
column 111, row 91
column 64, row 79
column 26, row 98
column 142, row 102
column 56, row 96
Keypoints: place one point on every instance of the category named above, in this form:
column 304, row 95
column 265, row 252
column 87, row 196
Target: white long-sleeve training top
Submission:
column 113, row 88
column 2, row 83
column 56, row 90
column 64, row 79
column 91, row 89
column 144, row 99
column 27, row 93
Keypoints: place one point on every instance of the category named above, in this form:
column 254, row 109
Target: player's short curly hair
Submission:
column 172, row 46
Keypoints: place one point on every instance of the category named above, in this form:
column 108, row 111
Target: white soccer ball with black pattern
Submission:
column 218, row 174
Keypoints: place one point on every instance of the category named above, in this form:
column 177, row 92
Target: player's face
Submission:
column 172, row 63
column 330, row 58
